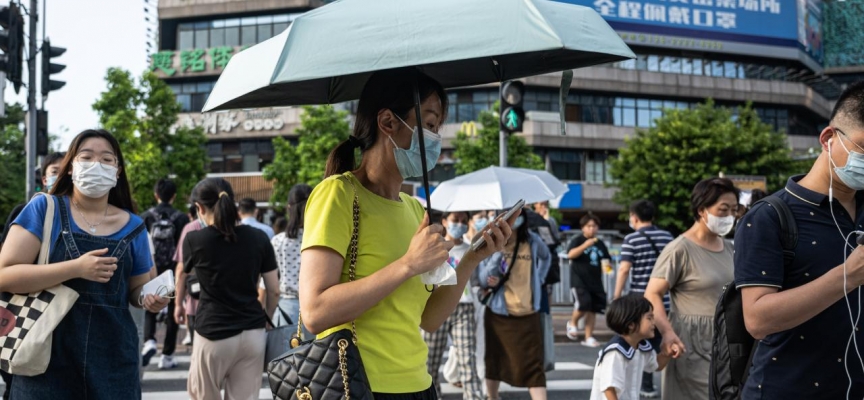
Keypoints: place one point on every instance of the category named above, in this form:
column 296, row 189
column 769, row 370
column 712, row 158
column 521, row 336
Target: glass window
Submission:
column 466, row 112
column 629, row 117
column 642, row 103
column 480, row 96
column 530, row 106
column 644, row 117
column 265, row 32
column 198, row 100
column 668, row 104
column 266, row 19
column 234, row 164
column 204, row 87
column 231, row 148
column 202, row 40
column 214, row 149
column 544, row 96
column 249, row 21
column 217, row 164
column 730, row 69
column 186, row 40
column 248, row 147
column 655, row 114
column 248, row 36
column 656, row 104
column 627, row 64
column 675, row 65
column 232, row 36
column 628, row 102
column 642, row 62
column 281, row 18
column 697, row 66
column 189, row 88
column 185, row 101
column 716, row 68
column 653, row 63
column 686, row 66
column 232, row 22
column 217, row 37
column 219, row 24
column 665, row 64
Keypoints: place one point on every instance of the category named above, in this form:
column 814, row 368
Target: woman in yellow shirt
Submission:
column 396, row 243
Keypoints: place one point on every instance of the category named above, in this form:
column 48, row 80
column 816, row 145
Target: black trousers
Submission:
column 428, row 394
column 171, row 328
column 7, row 379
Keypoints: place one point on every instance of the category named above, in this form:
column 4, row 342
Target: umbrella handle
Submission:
column 419, row 131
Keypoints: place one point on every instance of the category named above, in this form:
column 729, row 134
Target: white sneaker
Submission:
column 148, row 352
column 167, row 362
column 591, row 342
column 572, row 331
column 188, row 339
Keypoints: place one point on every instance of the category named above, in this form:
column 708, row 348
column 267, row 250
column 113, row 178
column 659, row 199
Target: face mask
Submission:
column 852, row 174
column 480, row 223
column 93, row 179
column 456, row 230
column 720, row 225
column 630, row 222
column 519, row 221
column 408, row 160
column 49, row 182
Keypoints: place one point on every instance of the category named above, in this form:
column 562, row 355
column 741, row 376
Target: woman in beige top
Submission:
column 693, row 269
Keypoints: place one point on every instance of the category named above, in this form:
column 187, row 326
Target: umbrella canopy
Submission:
column 555, row 186
column 327, row 54
column 492, row 188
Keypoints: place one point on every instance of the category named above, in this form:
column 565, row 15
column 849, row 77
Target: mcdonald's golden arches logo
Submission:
column 469, row 128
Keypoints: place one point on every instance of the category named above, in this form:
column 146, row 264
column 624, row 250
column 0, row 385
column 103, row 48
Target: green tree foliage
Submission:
column 663, row 163
column 482, row 151
column 142, row 114
column 321, row 129
column 13, row 169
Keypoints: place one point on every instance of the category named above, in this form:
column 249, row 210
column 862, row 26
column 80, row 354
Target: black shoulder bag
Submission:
column 327, row 368
column 489, row 292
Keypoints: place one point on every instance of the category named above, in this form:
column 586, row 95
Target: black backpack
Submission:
column 162, row 232
column 733, row 347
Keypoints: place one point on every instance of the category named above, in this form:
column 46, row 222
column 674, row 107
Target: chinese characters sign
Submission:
column 234, row 122
column 169, row 63
column 775, row 19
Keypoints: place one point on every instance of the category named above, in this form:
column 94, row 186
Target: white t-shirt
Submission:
column 620, row 366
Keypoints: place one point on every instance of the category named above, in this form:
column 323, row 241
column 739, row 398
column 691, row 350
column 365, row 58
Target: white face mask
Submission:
column 720, row 225
column 93, row 179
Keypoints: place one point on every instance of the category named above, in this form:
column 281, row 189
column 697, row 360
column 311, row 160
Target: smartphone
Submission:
column 478, row 242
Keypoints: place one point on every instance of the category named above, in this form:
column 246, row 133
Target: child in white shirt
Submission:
column 618, row 374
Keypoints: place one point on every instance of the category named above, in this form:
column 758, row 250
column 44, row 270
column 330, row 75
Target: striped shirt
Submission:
column 637, row 250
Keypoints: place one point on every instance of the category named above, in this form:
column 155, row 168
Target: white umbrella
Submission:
column 555, row 186
column 492, row 188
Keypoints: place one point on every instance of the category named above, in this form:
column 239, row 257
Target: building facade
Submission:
column 768, row 52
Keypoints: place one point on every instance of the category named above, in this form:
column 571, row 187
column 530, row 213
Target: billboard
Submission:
column 810, row 28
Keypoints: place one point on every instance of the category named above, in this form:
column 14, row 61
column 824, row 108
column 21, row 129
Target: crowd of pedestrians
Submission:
column 236, row 277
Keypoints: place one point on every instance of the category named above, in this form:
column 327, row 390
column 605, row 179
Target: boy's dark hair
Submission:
column 626, row 311
column 248, row 206
column 850, row 105
column 588, row 218
column 644, row 210
column 53, row 158
column 708, row 191
column 165, row 189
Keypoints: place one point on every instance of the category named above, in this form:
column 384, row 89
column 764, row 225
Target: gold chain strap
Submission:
column 343, row 366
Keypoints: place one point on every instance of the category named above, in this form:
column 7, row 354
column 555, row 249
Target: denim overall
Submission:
column 94, row 354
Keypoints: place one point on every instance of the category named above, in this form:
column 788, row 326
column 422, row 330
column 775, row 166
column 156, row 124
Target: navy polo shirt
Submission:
column 805, row 362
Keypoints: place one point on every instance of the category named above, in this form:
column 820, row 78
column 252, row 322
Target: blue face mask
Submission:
column 408, row 160
column 480, row 223
column 49, row 182
column 456, row 230
column 519, row 221
column 852, row 174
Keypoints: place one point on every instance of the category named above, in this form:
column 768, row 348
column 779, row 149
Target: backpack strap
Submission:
column 651, row 242
column 788, row 227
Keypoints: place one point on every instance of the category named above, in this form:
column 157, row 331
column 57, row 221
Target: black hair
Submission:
column 120, row 195
column 588, row 218
column 447, row 214
column 644, row 210
column 51, row 159
column 216, row 195
column 193, row 211
column 165, row 189
column 625, row 314
column 707, row 192
column 297, row 197
column 385, row 90
column 280, row 224
column 850, row 105
column 522, row 232
column 756, row 195
column 247, row 206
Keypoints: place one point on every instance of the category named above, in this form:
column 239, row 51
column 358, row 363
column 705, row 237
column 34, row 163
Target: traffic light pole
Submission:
column 31, row 102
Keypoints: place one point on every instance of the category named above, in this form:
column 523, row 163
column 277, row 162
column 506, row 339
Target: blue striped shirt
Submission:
column 638, row 251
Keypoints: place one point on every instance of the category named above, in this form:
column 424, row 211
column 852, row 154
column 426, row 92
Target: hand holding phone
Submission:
column 477, row 242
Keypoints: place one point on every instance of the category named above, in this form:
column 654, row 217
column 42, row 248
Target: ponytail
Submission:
column 216, row 195
column 225, row 216
column 341, row 159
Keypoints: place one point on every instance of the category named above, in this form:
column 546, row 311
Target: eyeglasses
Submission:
column 106, row 158
column 844, row 135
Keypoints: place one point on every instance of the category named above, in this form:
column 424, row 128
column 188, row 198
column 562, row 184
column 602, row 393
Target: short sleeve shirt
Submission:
column 620, row 367
column 809, row 360
column 638, row 251
column 394, row 353
column 695, row 275
column 586, row 270
column 33, row 216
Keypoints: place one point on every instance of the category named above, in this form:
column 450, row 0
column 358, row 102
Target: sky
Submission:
column 97, row 34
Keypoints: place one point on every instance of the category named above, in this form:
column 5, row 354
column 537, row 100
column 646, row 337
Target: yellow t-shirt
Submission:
column 517, row 289
column 388, row 334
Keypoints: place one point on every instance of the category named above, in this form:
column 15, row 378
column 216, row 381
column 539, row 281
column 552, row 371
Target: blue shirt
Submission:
column 807, row 361
column 255, row 224
column 33, row 216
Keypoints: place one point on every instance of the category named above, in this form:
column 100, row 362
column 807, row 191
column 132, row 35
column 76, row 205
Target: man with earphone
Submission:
column 806, row 315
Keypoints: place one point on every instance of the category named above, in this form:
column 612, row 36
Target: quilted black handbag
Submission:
column 328, row 368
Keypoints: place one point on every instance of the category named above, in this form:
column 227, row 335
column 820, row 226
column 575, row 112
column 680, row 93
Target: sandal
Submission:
column 572, row 331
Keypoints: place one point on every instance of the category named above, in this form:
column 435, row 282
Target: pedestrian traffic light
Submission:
column 48, row 68
column 12, row 44
column 41, row 133
column 512, row 114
